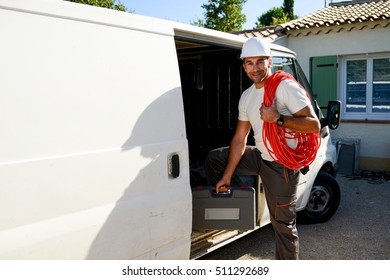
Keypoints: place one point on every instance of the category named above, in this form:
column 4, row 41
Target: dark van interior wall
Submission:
column 212, row 82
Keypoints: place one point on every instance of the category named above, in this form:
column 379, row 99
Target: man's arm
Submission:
column 304, row 120
column 237, row 148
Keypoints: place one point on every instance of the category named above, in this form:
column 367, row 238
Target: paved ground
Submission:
column 360, row 229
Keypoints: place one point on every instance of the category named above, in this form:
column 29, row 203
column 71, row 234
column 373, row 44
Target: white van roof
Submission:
column 119, row 19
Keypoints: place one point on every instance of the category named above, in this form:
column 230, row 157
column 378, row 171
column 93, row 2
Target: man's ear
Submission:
column 270, row 61
column 243, row 64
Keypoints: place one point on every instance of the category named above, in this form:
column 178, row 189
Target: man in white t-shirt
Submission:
column 292, row 110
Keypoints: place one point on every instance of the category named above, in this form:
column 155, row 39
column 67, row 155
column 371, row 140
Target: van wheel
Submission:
column 323, row 201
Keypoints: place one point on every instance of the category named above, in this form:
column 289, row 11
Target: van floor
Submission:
column 203, row 242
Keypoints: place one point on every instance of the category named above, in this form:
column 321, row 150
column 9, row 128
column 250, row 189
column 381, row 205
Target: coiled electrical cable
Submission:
column 275, row 137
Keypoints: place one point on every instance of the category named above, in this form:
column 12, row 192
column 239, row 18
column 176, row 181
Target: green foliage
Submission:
column 277, row 15
column 280, row 20
column 110, row 4
column 197, row 22
column 270, row 16
column 223, row 15
column 288, row 8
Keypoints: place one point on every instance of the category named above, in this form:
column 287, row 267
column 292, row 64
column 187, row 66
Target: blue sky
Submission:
column 186, row 11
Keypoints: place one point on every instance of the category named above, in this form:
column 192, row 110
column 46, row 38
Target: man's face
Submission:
column 257, row 67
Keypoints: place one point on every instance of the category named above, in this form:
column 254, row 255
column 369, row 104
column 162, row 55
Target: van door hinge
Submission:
column 173, row 166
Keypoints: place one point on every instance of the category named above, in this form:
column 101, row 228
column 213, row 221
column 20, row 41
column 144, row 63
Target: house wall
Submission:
column 362, row 38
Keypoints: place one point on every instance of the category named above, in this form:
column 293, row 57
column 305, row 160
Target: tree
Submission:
column 110, row 4
column 269, row 17
column 277, row 15
column 288, row 8
column 223, row 15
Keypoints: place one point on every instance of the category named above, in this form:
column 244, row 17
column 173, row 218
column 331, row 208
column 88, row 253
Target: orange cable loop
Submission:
column 275, row 137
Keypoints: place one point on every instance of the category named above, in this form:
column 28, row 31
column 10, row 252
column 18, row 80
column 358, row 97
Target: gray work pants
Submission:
column 280, row 185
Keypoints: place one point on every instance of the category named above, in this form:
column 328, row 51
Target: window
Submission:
column 283, row 63
column 366, row 88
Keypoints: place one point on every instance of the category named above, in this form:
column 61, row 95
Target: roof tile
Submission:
column 343, row 13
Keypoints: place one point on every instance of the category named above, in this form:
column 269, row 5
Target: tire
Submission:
column 323, row 201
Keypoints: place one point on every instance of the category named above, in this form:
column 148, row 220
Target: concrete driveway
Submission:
column 360, row 229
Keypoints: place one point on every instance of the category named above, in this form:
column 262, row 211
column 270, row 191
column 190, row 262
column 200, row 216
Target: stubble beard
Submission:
column 260, row 80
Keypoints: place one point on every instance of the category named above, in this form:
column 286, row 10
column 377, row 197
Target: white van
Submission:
column 105, row 121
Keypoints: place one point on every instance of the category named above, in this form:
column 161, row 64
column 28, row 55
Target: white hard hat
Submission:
column 255, row 47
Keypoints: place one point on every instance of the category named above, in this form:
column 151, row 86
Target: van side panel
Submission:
column 90, row 114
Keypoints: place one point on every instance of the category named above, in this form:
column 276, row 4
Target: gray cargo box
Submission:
column 233, row 210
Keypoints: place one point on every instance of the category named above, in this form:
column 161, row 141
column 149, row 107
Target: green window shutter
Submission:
column 323, row 79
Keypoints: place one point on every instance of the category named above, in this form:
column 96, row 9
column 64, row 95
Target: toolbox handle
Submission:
column 228, row 193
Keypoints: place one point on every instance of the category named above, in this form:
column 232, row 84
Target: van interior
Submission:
column 212, row 81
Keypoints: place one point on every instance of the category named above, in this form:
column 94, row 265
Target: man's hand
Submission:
column 222, row 185
column 269, row 114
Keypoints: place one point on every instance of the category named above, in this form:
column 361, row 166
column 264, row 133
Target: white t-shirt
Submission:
column 290, row 98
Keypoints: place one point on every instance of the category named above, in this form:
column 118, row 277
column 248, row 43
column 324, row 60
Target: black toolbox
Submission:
column 232, row 210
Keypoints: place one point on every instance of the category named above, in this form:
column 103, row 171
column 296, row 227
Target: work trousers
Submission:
column 280, row 185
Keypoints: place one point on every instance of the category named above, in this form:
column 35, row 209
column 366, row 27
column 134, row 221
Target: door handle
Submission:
column 173, row 166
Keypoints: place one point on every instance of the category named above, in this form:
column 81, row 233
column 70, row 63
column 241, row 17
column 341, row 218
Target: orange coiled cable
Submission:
column 275, row 137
